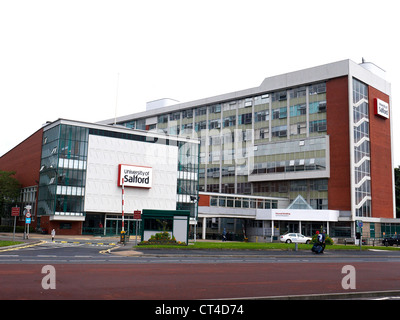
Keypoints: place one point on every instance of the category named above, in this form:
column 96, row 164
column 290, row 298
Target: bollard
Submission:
column 296, row 246
column 122, row 238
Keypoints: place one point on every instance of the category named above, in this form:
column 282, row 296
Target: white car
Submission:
column 295, row 237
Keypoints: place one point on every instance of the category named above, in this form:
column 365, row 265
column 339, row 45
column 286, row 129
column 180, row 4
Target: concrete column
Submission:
column 204, row 228
column 272, row 230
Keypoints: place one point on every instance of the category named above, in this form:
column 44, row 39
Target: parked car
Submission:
column 295, row 237
column 389, row 241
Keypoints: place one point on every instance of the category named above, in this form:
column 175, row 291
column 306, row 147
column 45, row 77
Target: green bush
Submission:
column 162, row 238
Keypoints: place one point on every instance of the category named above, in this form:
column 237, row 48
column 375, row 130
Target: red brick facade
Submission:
column 339, row 185
column 47, row 226
column 381, row 159
column 25, row 160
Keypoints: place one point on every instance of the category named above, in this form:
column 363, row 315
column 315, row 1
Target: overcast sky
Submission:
column 61, row 59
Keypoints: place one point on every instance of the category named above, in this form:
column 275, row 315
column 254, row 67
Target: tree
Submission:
column 10, row 190
column 397, row 188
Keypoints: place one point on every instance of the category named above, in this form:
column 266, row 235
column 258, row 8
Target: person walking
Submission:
column 318, row 246
column 323, row 238
column 224, row 235
column 53, row 234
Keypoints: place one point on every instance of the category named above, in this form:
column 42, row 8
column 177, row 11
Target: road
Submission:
column 82, row 272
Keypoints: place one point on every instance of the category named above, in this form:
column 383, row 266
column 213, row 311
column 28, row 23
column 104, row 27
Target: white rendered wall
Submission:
column 102, row 193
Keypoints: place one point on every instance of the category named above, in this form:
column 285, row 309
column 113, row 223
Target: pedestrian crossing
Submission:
column 61, row 243
column 90, row 243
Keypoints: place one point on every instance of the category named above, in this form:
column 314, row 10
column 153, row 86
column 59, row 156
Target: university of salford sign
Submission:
column 381, row 108
column 134, row 176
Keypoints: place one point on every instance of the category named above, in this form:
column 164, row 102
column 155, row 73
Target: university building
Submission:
column 73, row 173
column 304, row 151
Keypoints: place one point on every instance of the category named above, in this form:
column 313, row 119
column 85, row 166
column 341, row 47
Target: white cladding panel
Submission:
column 102, row 193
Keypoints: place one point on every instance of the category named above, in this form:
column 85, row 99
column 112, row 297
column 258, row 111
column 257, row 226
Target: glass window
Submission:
column 298, row 110
column 158, row 224
column 215, row 109
column 187, row 113
column 229, row 121
column 163, row 118
column 279, row 113
column 200, row 125
column 261, row 116
column 63, row 170
column 317, row 88
column 318, row 126
column 279, row 131
column 245, row 118
column 175, row 116
column 238, row 203
column 201, row 111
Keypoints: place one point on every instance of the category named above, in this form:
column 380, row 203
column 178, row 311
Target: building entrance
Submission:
column 113, row 225
column 286, row 226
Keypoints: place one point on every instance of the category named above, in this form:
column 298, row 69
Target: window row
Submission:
column 319, row 185
column 245, row 203
column 290, row 166
column 319, row 88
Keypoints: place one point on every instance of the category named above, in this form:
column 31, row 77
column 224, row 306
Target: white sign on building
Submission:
column 135, row 176
column 382, row 108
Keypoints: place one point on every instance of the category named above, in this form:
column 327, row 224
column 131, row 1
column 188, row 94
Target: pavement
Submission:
column 35, row 238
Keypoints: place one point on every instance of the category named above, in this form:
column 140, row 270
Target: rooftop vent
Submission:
column 160, row 103
column 373, row 68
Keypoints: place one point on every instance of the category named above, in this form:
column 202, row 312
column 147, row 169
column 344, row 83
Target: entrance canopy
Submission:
column 298, row 215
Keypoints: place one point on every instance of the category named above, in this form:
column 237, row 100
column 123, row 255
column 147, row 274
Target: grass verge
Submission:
column 9, row 243
column 257, row 246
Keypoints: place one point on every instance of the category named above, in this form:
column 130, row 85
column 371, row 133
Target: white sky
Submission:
column 60, row 59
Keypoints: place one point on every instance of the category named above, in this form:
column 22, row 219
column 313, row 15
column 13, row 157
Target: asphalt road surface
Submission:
column 191, row 281
column 80, row 271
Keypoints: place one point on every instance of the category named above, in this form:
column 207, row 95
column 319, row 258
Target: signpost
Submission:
column 15, row 214
column 28, row 221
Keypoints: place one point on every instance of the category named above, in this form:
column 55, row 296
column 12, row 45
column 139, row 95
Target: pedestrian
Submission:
column 317, row 247
column 323, row 238
column 224, row 235
column 53, row 234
